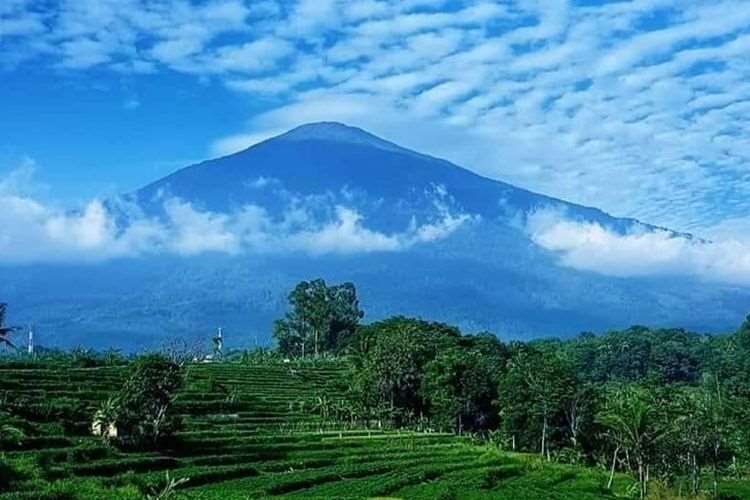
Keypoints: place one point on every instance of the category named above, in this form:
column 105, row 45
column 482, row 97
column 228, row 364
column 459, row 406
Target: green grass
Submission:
column 245, row 436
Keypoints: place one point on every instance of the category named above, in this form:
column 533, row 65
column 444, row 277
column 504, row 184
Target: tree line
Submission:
column 661, row 404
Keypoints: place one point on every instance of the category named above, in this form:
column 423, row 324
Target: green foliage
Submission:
column 322, row 319
column 8, row 475
column 169, row 489
column 743, row 335
column 460, row 388
column 542, row 393
column 390, row 360
column 142, row 414
column 634, row 423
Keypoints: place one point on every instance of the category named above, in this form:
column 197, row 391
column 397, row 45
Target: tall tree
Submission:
column 705, row 424
column 321, row 318
column 536, row 394
column 636, row 427
column 460, row 387
column 143, row 411
column 345, row 315
column 390, row 364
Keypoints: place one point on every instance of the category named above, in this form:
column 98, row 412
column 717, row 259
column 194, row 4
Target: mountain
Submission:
column 418, row 235
column 323, row 158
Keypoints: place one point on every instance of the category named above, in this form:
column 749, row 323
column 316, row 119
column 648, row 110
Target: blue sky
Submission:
column 637, row 107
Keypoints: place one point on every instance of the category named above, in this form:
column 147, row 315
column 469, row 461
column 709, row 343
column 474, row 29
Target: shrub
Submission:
column 8, row 475
column 141, row 414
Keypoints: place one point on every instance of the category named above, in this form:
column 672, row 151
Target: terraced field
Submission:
column 253, row 432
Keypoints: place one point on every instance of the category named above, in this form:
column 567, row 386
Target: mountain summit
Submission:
column 340, row 133
column 418, row 236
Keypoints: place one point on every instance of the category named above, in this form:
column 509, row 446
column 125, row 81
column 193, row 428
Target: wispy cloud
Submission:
column 639, row 107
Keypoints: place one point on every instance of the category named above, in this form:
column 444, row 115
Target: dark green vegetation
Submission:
column 668, row 407
column 400, row 408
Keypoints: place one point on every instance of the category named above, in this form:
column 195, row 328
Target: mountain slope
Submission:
column 327, row 157
column 418, row 235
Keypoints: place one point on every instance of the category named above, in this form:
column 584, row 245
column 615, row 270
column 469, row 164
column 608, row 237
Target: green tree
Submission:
column 540, row 394
column 389, row 367
column 143, row 412
column 705, row 425
column 321, row 318
column 743, row 334
column 635, row 427
column 345, row 316
column 460, row 387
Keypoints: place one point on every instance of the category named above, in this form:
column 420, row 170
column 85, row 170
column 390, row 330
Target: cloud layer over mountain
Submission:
column 589, row 246
column 34, row 231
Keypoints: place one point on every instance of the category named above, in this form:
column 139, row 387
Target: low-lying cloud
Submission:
column 35, row 231
column 640, row 251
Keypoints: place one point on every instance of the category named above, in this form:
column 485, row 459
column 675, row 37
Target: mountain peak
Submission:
column 337, row 132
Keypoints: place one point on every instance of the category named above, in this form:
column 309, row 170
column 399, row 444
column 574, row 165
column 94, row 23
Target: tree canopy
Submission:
column 321, row 318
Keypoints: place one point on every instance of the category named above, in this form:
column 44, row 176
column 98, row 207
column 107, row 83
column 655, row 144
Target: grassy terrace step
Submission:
column 83, row 395
column 70, row 454
column 272, row 458
column 310, row 437
column 231, row 447
column 208, row 420
column 199, row 408
column 395, row 479
column 300, row 481
column 115, row 466
column 274, row 438
column 36, row 443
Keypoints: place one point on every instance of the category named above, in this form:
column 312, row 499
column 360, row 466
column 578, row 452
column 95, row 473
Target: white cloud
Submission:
column 33, row 231
column 253, row 57
column 345, row 234
column 193, row 232
column 640, row 251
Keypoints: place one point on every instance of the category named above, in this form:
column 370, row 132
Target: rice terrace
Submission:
column 254, row 430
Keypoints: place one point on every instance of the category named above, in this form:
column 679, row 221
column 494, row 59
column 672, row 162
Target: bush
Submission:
column 141, row 415
column 8, row 475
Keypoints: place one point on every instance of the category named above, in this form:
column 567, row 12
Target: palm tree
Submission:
column 632, row 421
column 6, row 330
